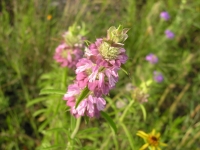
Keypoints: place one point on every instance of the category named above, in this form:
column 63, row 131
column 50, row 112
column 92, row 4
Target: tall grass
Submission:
column 27, row 43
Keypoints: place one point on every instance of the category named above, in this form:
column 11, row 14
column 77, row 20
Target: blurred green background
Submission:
column 31, row 30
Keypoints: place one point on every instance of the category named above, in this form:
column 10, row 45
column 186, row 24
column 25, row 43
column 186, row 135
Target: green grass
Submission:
column 27, row 44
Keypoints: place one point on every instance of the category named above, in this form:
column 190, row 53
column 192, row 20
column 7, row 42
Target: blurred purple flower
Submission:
column 169, row 34
column 158, row 77
column 153, row 59
column 165, row 15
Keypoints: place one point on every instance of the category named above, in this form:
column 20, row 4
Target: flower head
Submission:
column 49, row 17
column 105, row 54
column 153, row 59
column 90, row 106
column 169, row 34
column 158, row 77
column 139, row 95
column 98, row 78
column 67, row 56
column 152, row 140
column 165, row 15
column 71, row 50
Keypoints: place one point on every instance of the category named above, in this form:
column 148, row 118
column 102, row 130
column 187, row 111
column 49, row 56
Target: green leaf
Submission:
column 129, row 136
column 35, row 101
column 87, row 42
column 124, row 69
column 109, row 120
column 83, row 94
column 86, row 119
column 143, row 111
column 52, row 91
column 59, row 146
column 39, row 112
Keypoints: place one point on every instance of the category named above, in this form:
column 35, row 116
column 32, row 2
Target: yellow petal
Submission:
column 158, row 135
column 153, row 148
column 144, row 146
column 153, row 132
column 142, row 134
column 162, row 144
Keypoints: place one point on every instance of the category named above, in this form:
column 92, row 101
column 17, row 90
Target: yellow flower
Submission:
column 152, row 140
column 49, row 17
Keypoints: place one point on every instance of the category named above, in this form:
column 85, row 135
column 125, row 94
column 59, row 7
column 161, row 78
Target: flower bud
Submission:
column 117, row 35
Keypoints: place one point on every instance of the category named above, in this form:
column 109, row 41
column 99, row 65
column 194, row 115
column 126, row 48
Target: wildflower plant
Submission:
column 165, row 15
column 152, row 140
column 158, row 77
column 152, row 58
column 97, row 74
column 169, row 34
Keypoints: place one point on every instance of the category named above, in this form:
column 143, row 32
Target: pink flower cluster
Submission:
column 68, row 56
column 96, row 73
column 70, row 51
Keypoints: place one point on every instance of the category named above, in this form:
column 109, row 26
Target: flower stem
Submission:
column 76, row 128
column 70, row 142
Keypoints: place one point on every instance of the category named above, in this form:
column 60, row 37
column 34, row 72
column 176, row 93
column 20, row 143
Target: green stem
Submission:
column 70, row 142
column 76, row 128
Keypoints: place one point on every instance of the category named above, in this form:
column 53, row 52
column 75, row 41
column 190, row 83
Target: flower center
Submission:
column 108, row 52
column 153, row 140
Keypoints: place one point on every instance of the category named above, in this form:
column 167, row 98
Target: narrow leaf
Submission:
column 143, row 111
column 129, row 136
column 83, row 94
column 109, row 120
column 52, row 91
column 35, row 101
column 124, row 69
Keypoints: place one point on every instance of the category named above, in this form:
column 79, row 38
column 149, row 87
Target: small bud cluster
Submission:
column 97, row 74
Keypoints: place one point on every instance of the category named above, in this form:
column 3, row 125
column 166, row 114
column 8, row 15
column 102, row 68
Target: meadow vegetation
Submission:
column 32, row 119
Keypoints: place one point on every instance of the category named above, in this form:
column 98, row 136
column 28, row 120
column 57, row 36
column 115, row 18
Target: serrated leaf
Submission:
column 52, row 91
column 83, row 94
column 109, row 120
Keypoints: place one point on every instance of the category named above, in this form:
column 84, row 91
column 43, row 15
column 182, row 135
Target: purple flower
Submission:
column 153, row 59
column 169, row 34
column 158, row 77
column 165, row 15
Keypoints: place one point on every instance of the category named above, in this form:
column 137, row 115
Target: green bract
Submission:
column 108, row 52
column 117, row 35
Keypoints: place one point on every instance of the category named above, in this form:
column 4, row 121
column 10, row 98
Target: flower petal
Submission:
column 144, row 146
